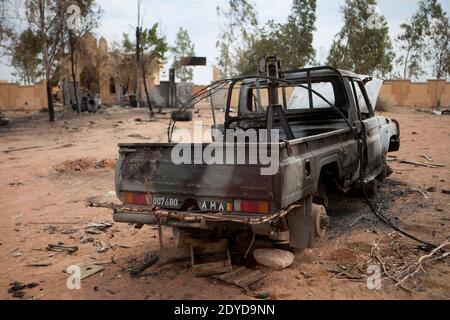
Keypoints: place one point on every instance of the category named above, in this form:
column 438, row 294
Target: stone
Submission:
column 274, row 258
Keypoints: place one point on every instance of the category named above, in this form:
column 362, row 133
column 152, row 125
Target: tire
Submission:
column 184, row 116
column 372, row 188
column 387, row 171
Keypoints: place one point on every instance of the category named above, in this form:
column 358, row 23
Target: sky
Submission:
column 200, row 19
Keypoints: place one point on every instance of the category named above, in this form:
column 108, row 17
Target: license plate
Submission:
column 212, row 205
column 205, row 205
column 167, row 202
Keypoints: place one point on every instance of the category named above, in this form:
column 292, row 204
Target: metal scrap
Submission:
column 86, row 270
column 103, row 246
column 243, row 278
column 97, row 228
column 150, row 262
column 62, row 248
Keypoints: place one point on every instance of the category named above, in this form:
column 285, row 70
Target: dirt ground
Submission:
column 44, row 191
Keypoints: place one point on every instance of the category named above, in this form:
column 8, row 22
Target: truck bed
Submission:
column 147, row 169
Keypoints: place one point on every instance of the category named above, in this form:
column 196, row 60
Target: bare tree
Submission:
column 48, row 19
column 90, row 14
column 123, row 66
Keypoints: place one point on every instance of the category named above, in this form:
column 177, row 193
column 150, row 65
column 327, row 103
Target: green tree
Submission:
column 413, row 38
column 183, row 48
column 152, row 50
column 439, row 45
column 297, row 34
column 25, row 56
column 238, row 35
column 439, row 50
column 291, row 41
column 5, row 27
column 363, row 44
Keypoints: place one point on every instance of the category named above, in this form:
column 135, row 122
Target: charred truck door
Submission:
column 373, row 152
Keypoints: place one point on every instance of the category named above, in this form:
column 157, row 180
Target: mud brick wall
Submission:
column 404, row 93
column 16, row 97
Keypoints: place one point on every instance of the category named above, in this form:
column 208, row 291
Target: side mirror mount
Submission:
column 367, row 80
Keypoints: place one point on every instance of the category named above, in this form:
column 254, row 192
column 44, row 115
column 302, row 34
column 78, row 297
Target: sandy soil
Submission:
column 43, row 201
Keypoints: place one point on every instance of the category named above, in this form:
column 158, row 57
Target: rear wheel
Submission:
column 320, row 220
column 371, row 188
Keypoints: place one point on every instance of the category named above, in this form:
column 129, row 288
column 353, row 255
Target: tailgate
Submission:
column 148, row 168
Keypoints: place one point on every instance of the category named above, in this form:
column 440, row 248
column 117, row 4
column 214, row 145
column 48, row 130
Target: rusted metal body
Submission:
column 317, row 148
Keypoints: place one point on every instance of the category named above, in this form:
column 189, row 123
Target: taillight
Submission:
column 247, row 206
column 137, row 198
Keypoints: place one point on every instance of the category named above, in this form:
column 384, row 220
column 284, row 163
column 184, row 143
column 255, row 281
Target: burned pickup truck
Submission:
column 328, row 137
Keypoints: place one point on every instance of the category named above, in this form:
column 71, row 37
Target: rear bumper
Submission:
column 205, row 220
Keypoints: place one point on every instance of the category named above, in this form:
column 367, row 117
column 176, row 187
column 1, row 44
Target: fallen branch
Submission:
column 419, row 266
column 421, row 192
column 426, row 157
column 426, row 165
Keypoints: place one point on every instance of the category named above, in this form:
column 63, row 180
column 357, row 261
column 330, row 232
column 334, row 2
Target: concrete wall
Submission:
column 404, row 93
column 15, row 97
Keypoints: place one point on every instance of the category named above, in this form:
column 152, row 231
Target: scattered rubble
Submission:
column 17, row 254
column 53, row 229
column 103, row 246
column 243, row 278
column 16, row 288
column 86, row 270
column 85, row 164
column 62, row 248
column 97, row 227
column 3, row 120
column 86, row 239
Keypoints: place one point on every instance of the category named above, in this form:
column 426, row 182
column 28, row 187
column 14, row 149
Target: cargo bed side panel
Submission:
column 149, row 168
